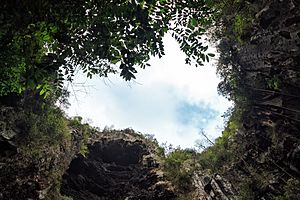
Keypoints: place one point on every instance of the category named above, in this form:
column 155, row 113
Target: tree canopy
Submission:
column 45, row 42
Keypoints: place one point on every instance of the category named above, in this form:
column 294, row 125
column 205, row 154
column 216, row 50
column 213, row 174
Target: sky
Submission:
column 170, row 100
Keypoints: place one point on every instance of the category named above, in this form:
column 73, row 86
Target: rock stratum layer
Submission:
column 116, row 168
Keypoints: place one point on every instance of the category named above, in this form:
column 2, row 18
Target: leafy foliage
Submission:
column 178, row 169
column 222, row 152
column 85, row 130
column 55, row 178
column 232, row 19
column 191, row 20
column 274, row 83
column 241, row 23
column 48, row 140
column 43, row 143
column 44, row 43
column 47, row 128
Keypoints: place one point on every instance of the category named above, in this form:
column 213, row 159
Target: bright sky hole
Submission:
column 170, row 99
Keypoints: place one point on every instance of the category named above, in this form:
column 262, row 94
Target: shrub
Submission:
column 45, row 128
column 223, row 151
column 44, row 142
column 178, row 169
column 84, row 129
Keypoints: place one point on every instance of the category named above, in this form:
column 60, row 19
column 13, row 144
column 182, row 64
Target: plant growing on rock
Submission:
column 178, row 167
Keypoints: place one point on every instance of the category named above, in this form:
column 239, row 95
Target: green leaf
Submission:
column 115, row 61
column 207, row 58
column 46, row 95
column 202, row 56
column 165, row 29
column 194, row 22
column 89, row 75
column 39, row 86
column 46, row 37
column 42, row 91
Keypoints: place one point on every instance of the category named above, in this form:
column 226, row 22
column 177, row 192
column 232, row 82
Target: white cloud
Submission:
column 150, row 104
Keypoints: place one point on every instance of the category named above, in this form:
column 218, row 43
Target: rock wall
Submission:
column 24, row 172
column 269, row 143
column 212, row 187
column 116, row 168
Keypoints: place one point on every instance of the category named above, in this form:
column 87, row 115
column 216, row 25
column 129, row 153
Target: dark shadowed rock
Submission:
column 115, row 169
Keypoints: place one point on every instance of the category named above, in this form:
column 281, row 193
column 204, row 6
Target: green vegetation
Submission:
column 44, row 43
column 179, row 169
column 233, row 19
column 179, row 165
column 54, row 192
column 274, row 83
column 45, row 142
column 222, row 152
column 241, row 23
column 45, row 129
column 48, row 139
column 85, row 130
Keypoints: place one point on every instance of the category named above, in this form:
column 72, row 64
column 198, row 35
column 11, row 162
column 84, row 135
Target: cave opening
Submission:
column 113, row 169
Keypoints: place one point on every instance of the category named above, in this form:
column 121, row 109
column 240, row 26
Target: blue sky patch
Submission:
column 196, row 115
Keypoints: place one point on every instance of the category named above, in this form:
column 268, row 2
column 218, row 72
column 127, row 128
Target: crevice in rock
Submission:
column 285, row 34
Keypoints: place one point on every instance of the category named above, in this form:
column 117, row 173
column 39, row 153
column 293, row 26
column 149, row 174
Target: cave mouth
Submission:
column 119, row 152
column 112, row 169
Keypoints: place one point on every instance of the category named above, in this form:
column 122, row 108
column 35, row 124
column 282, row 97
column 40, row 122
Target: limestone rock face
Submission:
column 269, row 59
column 212, row 187
column 24, row 175
column 116, row 168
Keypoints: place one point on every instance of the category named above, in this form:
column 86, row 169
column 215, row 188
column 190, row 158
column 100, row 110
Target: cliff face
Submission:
column 31, row 170
column 116, row 168
column 38, row 163
column 264, row 150
column 269, row 142
column 41, row 158
column 212, row 187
